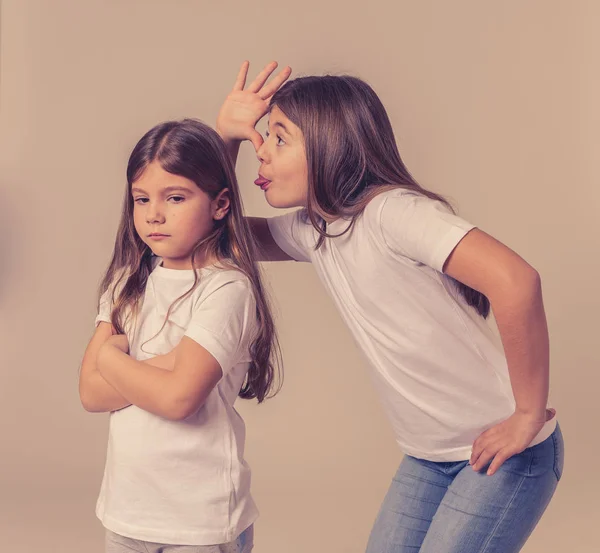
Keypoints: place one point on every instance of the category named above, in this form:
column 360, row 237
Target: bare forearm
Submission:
column 522, row 324
column 95, row 393
column 233, row 149
column 268, row 250
column 144, row 385
column 99, row 396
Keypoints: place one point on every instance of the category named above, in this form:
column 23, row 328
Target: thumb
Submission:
column 256, row 139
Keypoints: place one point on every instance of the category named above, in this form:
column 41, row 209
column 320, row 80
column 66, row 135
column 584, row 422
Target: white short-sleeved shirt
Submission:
column 439, row 368
column 184, row 482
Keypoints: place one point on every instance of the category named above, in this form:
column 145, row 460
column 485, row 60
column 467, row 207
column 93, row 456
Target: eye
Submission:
column 140, row 200
column 280, row 141
column 177, row 199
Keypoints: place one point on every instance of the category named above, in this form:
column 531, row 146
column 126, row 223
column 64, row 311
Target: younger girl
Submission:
column 414, row 283
column 182, row 280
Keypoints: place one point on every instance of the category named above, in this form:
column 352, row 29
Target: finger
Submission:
column 257, row 140
column 478, row 446
column 262, row 77
column 475, row 453
column 476, row 460
column 486, row 456
column 240, row 81
column 270, row 89
column 499, row 460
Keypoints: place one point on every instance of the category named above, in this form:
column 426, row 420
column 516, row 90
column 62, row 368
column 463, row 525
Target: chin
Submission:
column 158, row 251
column 280, row 201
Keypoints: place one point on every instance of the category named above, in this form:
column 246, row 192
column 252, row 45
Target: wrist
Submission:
column 227, row 138
column 532, row 413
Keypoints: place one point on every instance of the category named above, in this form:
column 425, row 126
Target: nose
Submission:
column 154, row 214
column 262, row 153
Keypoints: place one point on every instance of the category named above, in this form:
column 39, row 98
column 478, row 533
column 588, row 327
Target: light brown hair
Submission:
column 351, row 153
column 193, row 150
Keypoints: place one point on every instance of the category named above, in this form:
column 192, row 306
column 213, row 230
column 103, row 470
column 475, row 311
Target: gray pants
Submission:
column 120, row 544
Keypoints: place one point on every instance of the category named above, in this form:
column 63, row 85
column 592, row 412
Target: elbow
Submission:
column 88, row 394
column 180, row 409
column 529, row 283
column 184, row 400
column 87, row 403
column 84, row 398
column 522, row 286
column 92, row 401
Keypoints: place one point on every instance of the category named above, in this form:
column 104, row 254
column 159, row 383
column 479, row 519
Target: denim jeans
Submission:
column 449, row 508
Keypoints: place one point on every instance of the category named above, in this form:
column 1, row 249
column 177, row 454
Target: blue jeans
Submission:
column 449, row 508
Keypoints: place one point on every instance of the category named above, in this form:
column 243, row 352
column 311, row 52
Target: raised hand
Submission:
column 242, row 109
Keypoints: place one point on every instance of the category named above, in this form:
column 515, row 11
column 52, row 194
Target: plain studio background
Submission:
column 493, row 104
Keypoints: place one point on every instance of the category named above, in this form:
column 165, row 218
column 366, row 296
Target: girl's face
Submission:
column 283, row 173
column 171, row 214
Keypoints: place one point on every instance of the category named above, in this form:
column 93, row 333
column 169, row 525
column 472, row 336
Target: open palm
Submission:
column 242, row 109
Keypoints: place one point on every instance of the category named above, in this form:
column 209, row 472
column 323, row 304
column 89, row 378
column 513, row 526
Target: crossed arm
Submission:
column 172, row 386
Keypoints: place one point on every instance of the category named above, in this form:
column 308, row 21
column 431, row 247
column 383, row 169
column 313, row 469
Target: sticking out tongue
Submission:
column 261, row 181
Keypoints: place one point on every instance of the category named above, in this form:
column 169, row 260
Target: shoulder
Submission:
column 226, row 278
column 225, row 304
column 226, row 272
column 292, row 220
column 294, row 233
column 401, row 197
column 392, row 205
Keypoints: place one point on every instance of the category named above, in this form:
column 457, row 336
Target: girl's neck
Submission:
column 201, row 261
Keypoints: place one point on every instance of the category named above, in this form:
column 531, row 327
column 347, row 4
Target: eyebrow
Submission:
column 166, row 190
column 281, row 125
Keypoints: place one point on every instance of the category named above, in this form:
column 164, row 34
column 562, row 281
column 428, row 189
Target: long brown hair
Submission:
column 193, row 150
column 351, row 153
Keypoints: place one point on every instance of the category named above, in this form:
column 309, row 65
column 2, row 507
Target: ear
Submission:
column 221, row 205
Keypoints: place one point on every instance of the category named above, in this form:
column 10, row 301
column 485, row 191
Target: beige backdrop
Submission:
column 495, row 104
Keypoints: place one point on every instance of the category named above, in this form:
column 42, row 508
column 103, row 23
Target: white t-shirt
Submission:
column 184, row 482
column 439, row 368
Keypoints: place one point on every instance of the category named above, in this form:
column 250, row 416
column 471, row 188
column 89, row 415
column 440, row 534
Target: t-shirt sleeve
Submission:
column 291, row 234
column 420, row 228
column 224, row 322
column 106, row 303
column 104, row 308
